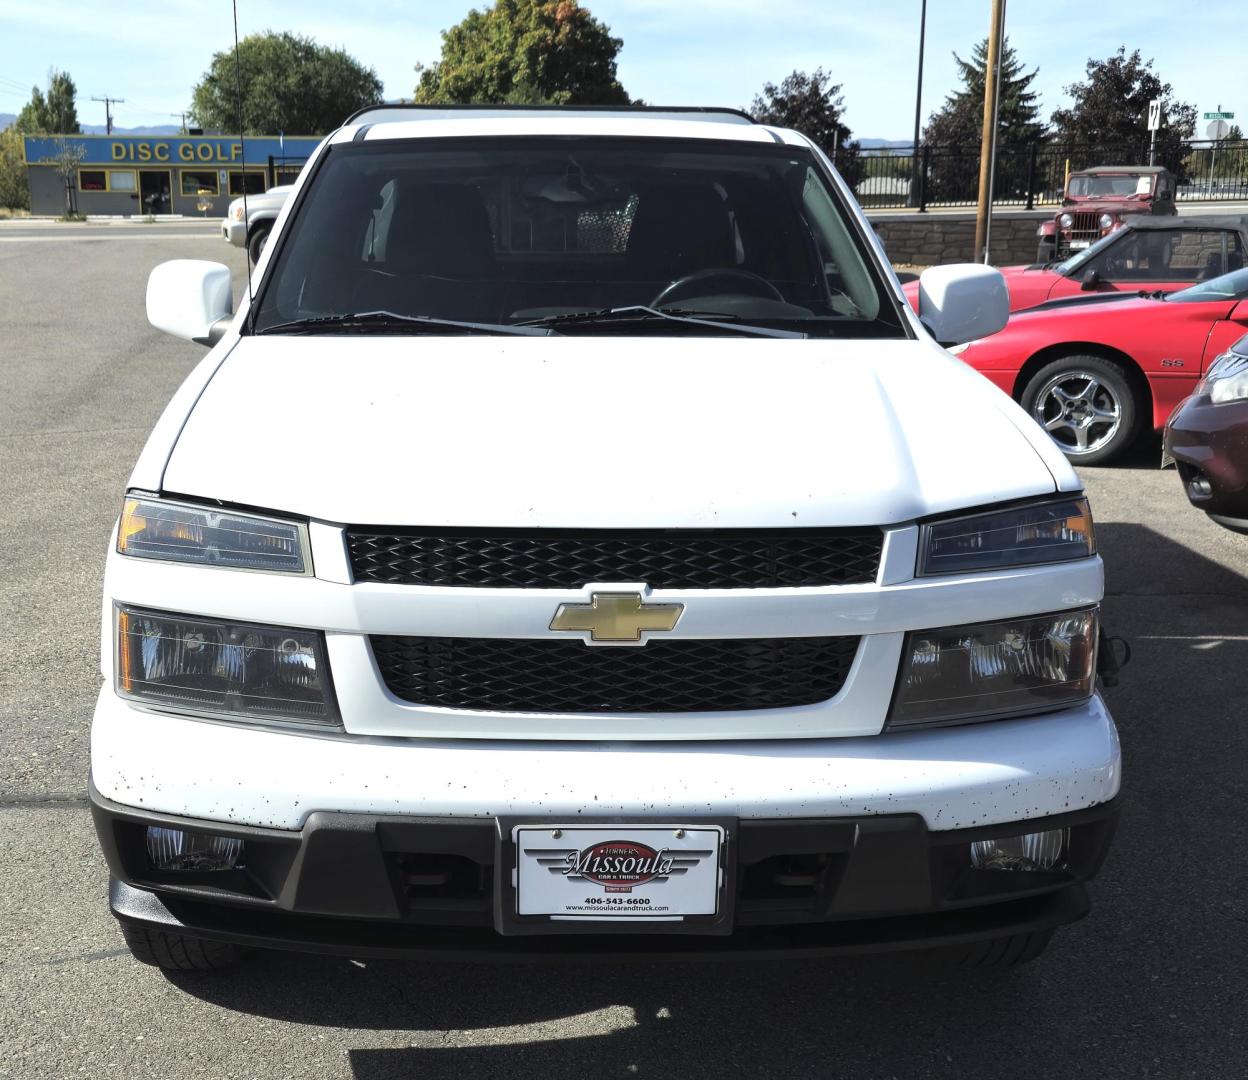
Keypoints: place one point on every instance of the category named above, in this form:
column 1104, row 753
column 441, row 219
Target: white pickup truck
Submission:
column 572, row 543
column 249, row 221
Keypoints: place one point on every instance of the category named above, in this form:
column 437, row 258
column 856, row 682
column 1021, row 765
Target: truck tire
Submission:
column 256, row 241
column 178, row 952
column 1088, row 406
column 992, row 955
column 1046, row 251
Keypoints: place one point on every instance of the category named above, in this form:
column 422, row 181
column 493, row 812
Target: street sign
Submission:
column 1219, row 116
column 1154, row 114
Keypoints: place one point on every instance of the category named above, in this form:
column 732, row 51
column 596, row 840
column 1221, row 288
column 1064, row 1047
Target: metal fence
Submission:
column 1030, row 175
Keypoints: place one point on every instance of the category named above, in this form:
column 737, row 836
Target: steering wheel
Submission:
column 759, row 285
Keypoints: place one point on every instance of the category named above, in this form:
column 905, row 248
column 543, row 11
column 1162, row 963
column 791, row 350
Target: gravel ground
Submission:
column 1151, row 984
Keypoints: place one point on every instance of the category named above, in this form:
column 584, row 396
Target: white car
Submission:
column 248, row 222
column 575, row 536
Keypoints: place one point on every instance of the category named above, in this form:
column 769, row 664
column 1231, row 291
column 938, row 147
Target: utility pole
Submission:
column 988, row 142
column 182, row 116
column 109, row 102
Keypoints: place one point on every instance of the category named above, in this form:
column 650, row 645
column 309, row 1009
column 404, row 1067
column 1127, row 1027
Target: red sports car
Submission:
column 1094, row 371
column 1164, row 253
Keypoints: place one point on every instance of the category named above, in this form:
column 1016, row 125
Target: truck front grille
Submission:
column 562, row 559
column 497, row 674
column 1086, row 226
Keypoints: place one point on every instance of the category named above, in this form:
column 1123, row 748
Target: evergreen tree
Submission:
column 955, row 130
column 53, row 113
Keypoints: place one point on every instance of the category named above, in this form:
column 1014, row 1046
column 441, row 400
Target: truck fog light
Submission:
column 183, row 849
column 1031, row 851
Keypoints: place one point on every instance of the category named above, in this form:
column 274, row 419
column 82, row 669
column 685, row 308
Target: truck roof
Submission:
column 387, row 122
column 1104, row 170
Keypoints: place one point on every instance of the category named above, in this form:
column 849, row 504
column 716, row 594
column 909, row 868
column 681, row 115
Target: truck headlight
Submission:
column 1046, row 532
column 1065, row 221
column 1107, row 221
column 231, row 670
column 963, row 674
column 154, row 528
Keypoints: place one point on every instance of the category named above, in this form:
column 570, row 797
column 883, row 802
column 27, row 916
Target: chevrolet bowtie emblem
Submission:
column 616, row 616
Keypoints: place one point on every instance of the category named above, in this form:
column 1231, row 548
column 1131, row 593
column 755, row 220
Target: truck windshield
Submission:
column 531, row 230
column 1115, row 187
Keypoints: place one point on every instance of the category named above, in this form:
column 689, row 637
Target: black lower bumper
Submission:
column 369, row 885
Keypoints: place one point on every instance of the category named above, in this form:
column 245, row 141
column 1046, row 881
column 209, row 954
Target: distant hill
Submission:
column 98, row 129
column 158, row 129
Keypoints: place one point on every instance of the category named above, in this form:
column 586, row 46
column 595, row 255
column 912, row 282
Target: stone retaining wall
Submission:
column 930, row 239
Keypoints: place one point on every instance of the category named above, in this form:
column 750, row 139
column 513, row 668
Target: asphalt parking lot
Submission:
column 1152, row 984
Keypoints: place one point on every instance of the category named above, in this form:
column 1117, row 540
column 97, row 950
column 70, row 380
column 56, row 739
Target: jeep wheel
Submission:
column 256, row 241
column 1087, row 405
column 178, row 952
column 991, row 955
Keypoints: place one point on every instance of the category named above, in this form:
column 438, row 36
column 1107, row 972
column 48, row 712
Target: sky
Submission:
column 684, row 52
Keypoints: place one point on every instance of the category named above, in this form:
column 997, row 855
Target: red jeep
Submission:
column 1099, row 200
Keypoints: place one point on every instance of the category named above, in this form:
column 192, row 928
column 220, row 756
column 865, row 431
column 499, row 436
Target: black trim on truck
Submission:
column 380, row 885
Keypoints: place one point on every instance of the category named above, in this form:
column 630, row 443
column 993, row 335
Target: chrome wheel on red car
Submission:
column 1086, row 405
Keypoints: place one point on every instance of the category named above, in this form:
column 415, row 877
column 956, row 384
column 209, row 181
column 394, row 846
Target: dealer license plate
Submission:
column 618, row 872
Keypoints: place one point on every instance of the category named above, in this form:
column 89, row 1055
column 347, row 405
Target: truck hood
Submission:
column 605, row 432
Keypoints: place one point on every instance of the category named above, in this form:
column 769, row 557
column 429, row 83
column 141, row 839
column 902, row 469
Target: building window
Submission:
column 106, row 180
column 253, row 180
column 199, row 183
column 287, row 174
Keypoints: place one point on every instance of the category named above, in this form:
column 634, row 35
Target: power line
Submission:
column 109, row 102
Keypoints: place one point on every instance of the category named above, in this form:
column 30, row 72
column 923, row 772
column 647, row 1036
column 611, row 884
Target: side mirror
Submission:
column 963, row 302
column 1090, row 280
column 191, row 299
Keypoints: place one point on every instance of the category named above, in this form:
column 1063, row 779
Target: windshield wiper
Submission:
column 607, row 317
column 379, row 321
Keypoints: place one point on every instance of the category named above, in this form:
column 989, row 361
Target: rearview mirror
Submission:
column 963, row 302
column 191, row 299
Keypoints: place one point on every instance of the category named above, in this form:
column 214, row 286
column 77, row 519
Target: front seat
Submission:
column 678, row 229
column 440, row 251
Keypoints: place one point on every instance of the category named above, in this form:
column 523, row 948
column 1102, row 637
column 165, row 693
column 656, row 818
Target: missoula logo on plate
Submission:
column 619, row 865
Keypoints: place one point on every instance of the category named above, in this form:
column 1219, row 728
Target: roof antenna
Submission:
column 238, row 80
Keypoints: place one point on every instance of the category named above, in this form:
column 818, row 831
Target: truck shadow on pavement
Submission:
column 1152, row 983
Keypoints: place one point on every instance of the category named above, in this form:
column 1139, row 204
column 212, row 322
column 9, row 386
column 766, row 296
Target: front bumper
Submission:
column 1209, row 444
column 952, row 778
column 386, row 885
column 235, row 232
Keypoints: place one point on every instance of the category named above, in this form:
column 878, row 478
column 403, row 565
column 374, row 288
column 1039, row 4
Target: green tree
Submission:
column 289, row 83
column 811, row 103
column 956, row 129
column 1109, row 113
column 14, row 191
column 53, row 113
column 525, row 52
